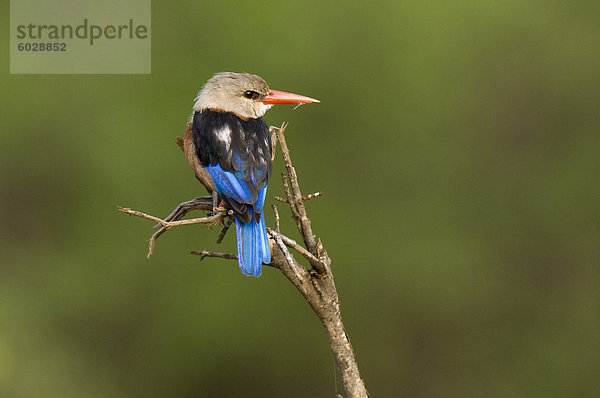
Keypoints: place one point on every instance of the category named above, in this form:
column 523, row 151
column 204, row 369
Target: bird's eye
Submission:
column 250, row 94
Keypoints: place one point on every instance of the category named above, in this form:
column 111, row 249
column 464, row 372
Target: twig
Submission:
column 215, row 219
column 273, row 131
column 229, row 256
column 296, row 205
column 205, row 253
column 304, row 198
column 288, row 193
column 312, row 196
column 291, row 263
column 315, row 262
column 199, row 203
column 276, row 214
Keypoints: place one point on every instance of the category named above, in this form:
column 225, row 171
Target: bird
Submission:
column 228, row 146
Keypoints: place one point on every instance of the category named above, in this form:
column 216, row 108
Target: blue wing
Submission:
column 229, row 185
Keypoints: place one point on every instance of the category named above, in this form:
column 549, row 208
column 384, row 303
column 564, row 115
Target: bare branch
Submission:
column 295, row 201
column 316, row 285
column 291, row 263
column 318, row 288
column 229, row 256
column 276, row 214
column 211, row 220
column 312, row 196
column 273, row 142
column 199, row 203
column 289, row 200
column 315, row 262
column 143, row 215
column 205, row 253
column 304, row 198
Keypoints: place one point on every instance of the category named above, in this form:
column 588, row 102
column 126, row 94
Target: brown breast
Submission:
column 187, row 144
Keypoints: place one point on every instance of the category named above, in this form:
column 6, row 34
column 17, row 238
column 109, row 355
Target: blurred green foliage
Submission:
column 457, row 144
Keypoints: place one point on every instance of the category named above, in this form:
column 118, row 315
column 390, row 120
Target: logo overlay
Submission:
column 83, row 37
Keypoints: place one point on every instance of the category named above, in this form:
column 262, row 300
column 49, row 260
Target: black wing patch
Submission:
column 241, row 147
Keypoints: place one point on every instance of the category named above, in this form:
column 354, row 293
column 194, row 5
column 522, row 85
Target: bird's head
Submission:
column 243, row 94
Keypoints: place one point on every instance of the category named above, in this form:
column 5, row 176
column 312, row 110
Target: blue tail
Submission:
column 252, row 245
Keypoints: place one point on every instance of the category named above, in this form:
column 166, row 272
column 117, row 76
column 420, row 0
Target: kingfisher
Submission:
column 228, row 146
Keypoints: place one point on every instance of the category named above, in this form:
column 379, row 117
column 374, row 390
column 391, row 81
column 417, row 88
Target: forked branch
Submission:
column 315, row 281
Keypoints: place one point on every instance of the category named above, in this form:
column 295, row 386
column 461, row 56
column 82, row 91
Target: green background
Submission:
column 457, row 145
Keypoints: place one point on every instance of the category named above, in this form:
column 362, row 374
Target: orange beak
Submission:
column 281, row 97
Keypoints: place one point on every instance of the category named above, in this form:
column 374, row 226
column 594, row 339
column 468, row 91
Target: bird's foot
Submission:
column 217, row 216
